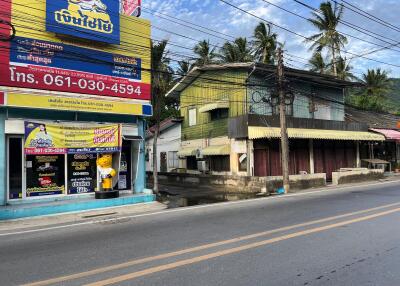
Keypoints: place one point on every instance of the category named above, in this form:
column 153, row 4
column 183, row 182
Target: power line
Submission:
column 304, row 37
column 349, row 35
column 369, row 15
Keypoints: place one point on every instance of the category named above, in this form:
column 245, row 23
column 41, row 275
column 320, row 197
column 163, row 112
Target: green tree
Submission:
column 344, row 69
column 265, row 43
column 183, row 69
column 373, row 94
column 205, row 53
column 317, row 63
column 161, row 80
column 238, row 51
column 326, row 21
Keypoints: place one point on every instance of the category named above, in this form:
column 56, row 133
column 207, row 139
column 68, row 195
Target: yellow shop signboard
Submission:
column 76, row 104
column 43, row 138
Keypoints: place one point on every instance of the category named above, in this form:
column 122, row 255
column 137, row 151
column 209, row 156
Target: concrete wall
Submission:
column 241, row 183
column 356, row 175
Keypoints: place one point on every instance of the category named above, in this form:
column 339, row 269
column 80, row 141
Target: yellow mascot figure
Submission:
column 104, row 166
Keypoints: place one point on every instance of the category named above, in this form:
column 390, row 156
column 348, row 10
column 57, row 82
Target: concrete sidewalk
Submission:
column 110, row 213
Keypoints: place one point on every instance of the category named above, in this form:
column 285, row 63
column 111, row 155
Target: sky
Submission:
column 222, row 18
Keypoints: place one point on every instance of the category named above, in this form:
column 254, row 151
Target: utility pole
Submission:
column 282, row 114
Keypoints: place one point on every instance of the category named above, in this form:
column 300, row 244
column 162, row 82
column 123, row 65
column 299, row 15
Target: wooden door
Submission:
column 163, row 162
column 260, row 162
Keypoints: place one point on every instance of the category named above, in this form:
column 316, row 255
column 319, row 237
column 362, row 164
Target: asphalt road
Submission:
column 349, row 236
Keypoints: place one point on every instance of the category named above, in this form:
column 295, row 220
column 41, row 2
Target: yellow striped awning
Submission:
column 256, row 132
column 213, row 106
column 216, row 150
column 188, row 151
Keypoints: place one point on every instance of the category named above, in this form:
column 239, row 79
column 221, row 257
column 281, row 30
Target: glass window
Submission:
column 322, row 111
column 242, row 162
column 192, row 117
column 15, row 168
column 173, row 160
column 45, row 175
column 220, row 163
column 219, row 114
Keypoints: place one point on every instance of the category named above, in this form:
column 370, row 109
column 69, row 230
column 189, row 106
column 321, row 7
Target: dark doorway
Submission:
column 125, row 168
column 15, row 168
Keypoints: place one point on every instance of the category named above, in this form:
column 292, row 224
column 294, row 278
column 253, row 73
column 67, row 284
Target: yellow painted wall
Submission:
column 207, row 88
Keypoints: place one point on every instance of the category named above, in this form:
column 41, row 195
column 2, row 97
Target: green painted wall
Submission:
column 208, row 88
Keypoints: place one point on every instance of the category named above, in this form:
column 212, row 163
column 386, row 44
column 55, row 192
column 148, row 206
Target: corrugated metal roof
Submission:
column 188, row 151
column 217, row 150
column 388, row 133
column 275, row 132
column 372, row 119
column 260, row 68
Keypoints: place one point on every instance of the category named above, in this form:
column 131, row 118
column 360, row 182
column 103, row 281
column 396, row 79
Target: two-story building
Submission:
column 231, row 121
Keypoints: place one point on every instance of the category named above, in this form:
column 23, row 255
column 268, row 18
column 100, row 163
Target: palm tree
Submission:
column 265, row 43
column 205, row 54
column 238, row 51
column 183, row 69
column 161, row 78
column 317, row 63
column 376, row 83
column 344, row 69
column 376, row 86
column 326, row 21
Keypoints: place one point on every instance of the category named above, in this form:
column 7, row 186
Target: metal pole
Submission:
column 282, row 114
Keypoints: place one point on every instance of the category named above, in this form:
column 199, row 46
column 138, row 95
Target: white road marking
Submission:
column 197, row 207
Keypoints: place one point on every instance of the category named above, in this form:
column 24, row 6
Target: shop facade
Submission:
column 34, row 174
column 69, row 97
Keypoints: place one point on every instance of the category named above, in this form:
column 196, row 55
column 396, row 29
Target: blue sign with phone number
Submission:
column 58, row 55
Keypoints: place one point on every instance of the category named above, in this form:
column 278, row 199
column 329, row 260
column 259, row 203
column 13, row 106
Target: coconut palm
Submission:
column 344, row 69
column 161, row 79
column 376, row 83
column 317, row 63
column 376, row 86
column 238, row 51
column 205, row 53
column 265, row 43
column 183, row 68
column 326, row 21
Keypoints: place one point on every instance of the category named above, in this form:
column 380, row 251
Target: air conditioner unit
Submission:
column 199, row 154
column 202, row 166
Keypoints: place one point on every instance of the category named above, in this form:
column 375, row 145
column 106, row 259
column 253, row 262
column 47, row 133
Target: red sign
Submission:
column 46, row 71
column 131, row 7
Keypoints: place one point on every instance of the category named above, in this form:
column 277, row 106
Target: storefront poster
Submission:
column 49, row 61
column 44, row 175
column 43, row 138
column 81, row 173
column 96, row 20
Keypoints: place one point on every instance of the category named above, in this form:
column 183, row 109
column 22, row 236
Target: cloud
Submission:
column 220, row 17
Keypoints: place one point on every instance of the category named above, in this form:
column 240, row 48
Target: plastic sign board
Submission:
column 61, row 67
column 45, row 61
column 96, row 20
column 45, row 139
column 131, row 7
column 75, row 104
